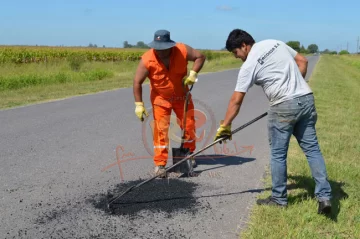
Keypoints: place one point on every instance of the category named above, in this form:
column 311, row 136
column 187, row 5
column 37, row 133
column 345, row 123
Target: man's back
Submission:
column 271, row 64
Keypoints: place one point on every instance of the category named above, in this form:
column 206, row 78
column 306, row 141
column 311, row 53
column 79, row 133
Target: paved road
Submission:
column 312, row 62
column 58, row 168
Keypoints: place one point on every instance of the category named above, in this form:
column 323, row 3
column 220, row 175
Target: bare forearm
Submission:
column 303, row 69
column 140, row 76
column 232, row 112
column 233, row 107
column 137, row 92
column 302, row 63
column 198, row 64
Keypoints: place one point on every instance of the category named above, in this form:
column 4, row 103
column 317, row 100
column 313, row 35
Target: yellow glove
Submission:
column 190, row 79
column 140, row 110
column 223, row 131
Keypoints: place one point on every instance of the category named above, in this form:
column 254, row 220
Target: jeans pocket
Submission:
column 281, row 125
column 286, row 117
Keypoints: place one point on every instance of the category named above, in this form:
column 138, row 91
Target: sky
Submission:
column 202, row 24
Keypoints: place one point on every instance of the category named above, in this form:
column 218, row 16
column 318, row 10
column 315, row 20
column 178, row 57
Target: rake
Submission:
column 183, row 160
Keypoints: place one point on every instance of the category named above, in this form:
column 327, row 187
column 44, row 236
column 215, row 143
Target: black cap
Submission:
column 162, row 40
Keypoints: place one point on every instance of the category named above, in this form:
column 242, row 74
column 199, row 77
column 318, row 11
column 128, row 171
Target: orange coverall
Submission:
column 167, row 94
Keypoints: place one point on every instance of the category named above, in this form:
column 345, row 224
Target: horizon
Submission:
column 330, row 25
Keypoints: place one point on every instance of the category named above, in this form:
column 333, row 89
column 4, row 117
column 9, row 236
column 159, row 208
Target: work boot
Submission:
column 160, row 170
column 324, row 207
column 269, row 201
column 193, row 162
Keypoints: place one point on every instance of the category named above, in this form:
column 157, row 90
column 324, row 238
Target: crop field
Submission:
column 30, row 74
column 24, row 54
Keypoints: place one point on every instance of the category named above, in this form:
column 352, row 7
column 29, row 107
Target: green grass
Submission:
column 22, row 84
column 336, row 84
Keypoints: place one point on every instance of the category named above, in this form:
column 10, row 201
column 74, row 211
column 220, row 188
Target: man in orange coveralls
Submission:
column 165, row 64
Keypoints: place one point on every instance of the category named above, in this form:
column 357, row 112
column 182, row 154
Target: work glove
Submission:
column 223, row 131
column 140, row 110
column 190, row 79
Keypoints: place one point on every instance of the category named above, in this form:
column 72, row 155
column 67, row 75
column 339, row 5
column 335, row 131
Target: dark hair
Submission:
column 237, row 37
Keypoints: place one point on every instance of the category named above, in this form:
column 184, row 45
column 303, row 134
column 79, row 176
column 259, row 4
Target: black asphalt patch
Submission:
column 161, row 195
column 155, row 202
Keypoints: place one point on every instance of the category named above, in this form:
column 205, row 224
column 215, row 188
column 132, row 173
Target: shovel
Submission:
column 178, row 154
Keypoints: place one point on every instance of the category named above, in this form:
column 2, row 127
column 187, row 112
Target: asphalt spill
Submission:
column 161, row 195
column 150, row 211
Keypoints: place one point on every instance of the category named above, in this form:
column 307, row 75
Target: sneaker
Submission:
column 160, row 170
column 269, row 201
column 324, row 207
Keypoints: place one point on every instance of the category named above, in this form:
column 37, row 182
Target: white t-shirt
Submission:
column 271, row 64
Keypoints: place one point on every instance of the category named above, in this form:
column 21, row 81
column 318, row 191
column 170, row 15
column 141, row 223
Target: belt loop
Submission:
column 298, row 101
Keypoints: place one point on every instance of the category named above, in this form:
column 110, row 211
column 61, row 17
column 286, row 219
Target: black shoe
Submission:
column 269, row 201
column 324, row 207
column 193, row 162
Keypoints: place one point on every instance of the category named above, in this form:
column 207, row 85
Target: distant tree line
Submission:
column 94, row 45
column 139, row 44
column 312, row 48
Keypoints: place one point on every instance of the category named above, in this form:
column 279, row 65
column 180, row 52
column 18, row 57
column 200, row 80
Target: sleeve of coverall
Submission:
column 293, row 53
column 244, row 81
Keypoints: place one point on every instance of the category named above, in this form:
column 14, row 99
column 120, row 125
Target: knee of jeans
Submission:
column 278, row 156
column 311, row 149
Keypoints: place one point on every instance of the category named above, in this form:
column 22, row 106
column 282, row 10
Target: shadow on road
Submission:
column 221, row 160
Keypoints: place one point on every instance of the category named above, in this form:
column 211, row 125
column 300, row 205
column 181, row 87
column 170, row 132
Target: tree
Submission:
column 127, row 45
column 303, row 50
column 313, row 48
column 141, row 44
column 294, row 45
column 344, row 52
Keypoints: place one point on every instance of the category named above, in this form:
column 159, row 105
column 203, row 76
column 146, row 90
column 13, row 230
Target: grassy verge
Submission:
column 336, row 83
column 38, row 82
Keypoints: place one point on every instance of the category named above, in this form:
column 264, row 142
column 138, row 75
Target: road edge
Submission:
column 99, row 92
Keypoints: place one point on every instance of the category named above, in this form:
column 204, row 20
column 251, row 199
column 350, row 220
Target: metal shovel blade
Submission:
column 184, row 167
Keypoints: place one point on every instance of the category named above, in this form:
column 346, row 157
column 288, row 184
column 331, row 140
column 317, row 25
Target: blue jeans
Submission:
column 295, row 117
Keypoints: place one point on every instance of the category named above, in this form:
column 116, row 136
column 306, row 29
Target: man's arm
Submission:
column 197, row 57
column 233, row 107
column 302, row 63
column 300, row 60
column 140, row 77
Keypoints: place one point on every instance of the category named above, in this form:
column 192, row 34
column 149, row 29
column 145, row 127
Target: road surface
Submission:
column 61, row 161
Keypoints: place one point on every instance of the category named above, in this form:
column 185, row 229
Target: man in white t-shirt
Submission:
column 280, row 71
